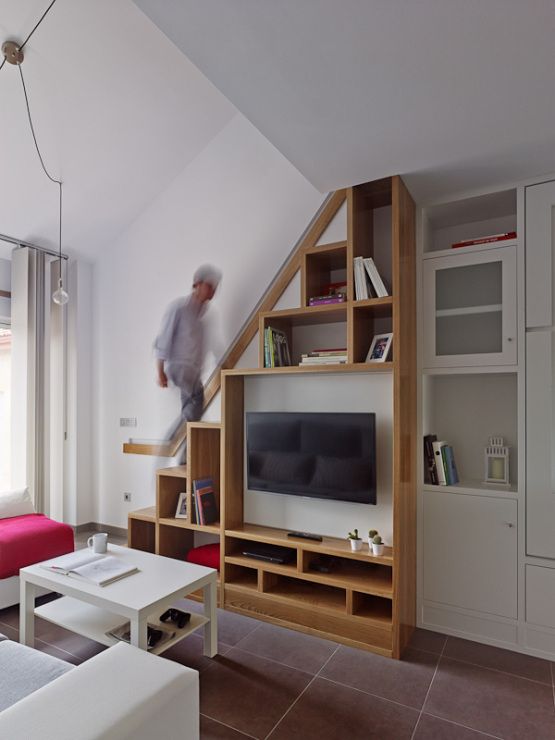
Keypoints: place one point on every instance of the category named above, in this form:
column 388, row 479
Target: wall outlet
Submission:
column 127, row 497
column 128, row 421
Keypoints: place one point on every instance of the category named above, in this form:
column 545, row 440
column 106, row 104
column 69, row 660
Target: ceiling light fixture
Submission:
column 13, row 54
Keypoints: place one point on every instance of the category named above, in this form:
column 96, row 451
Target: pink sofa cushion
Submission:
column 29, row 539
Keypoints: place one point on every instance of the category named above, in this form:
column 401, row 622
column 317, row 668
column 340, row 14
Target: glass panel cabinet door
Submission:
column 469, row 305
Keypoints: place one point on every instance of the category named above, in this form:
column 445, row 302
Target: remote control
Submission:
column 305, row 536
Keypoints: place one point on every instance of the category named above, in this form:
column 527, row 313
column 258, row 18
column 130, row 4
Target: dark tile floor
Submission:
column 269, row 682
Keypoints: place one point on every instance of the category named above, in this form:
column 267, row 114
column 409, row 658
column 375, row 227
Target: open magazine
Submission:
column 92, row 567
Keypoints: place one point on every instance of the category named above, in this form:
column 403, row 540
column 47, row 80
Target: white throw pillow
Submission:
column 15, row 503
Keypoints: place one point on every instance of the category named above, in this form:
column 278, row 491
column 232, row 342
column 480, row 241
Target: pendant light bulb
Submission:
column 60, row 296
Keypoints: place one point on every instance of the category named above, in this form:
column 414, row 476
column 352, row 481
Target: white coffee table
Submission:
column 142, row 597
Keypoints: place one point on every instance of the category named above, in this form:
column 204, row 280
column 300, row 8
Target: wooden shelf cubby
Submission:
column 203, row 461
column 372, row 607
column 298, row 325
column 373, row 214
column 141, row 526
column 367, row 318
column 170, row 482
column 321, row 266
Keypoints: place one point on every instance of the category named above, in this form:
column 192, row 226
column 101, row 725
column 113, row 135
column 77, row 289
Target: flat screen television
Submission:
column 320, row 455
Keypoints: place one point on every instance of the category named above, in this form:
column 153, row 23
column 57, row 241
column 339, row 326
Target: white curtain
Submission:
column 39, row 350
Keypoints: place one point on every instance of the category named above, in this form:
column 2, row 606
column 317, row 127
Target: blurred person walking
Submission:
column 180, row 348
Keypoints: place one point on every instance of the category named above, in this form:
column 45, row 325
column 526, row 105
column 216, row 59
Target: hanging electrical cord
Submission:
column 13, row 53
column 60, row 296
column 37, row 24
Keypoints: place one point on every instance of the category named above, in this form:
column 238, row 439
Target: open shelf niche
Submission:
column 465, row 410
column 445, row 224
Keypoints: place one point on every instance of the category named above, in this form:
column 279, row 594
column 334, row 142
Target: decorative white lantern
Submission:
column 497, row 462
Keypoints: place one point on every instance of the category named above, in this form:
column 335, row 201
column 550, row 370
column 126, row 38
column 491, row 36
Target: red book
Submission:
column 205, row 501
column 485, row 240
column 332, row 287
column 208, row 507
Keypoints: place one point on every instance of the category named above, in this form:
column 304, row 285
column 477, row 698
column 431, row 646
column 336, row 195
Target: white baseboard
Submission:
column 503, row 633
column 489, row 630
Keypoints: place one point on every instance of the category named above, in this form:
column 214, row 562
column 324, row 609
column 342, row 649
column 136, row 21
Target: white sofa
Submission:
column 122, row 693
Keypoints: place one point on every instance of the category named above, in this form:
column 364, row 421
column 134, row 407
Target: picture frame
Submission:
column 380, row 348
column 181, row 509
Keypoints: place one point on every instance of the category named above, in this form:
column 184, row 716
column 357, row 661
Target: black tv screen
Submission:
column 320, row 455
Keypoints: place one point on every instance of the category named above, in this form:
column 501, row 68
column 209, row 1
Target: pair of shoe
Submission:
column 153, row 636
column 177, row 616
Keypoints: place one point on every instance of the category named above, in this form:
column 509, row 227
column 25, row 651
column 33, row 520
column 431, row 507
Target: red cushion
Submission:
column 208, row 555
column 29, row 539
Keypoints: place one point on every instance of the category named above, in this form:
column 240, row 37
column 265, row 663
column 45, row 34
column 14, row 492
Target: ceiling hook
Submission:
column 12, row 52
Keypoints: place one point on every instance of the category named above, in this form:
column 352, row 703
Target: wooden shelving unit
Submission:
column 364, row 601
column 156, row 529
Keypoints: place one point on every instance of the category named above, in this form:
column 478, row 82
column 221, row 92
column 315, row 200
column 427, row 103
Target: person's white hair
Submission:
column 207, row 274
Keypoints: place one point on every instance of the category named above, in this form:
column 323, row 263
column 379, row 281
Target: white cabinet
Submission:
column 540, row 444
column 469, row 308
column 540, row 262
column 540, row 596
column 540, row 371
column 470, row 552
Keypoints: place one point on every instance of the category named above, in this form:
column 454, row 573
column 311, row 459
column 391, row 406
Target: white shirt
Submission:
column 181, row 336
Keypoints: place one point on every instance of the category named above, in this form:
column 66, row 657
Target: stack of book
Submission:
column 204, row 500
column 331, row 293
column 485, row 239
column 276, row 348
column 324, row 357
column 368, row 281
column 321, row 300
column 439, row 462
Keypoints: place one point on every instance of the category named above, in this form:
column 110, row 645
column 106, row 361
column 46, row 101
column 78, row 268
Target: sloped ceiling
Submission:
column 454, row 94
column 118, row 112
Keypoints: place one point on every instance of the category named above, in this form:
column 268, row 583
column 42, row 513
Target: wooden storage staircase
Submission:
column 365, row 601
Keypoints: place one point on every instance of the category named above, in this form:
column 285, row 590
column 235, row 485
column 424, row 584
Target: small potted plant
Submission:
column 371, row 534
column 356, row 541
column 377, row 545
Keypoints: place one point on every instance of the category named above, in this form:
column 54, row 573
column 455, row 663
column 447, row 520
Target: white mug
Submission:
column 98, row 542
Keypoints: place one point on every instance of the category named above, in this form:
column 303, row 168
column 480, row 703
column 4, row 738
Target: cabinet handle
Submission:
column 509, row 339
column 509, row 524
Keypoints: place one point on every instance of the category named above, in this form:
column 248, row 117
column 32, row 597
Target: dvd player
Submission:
column 270, row 553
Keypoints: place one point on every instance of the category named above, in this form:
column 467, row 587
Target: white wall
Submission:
column 79, row 494
column 5, row 382
column 5, row 284
column 239, row 205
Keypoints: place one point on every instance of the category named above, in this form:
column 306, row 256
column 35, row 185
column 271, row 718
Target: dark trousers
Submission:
column 192, row 398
